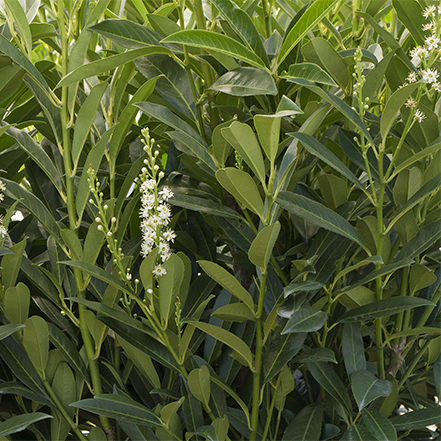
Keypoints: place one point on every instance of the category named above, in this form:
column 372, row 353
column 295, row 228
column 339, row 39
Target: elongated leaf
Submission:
column 317, row 355
column 306, row 285
column 7, row 330
column 318, row 215
column 383, row 308
column 20, row 422
column 242, row 186
column 62, row 342
column 246, row 81
column 326, row 377
column 309, row 71
column 427, row 236
column 244, row 141
column 16, row 299
column 417, row 419
column 262, row 247
column 316, row 148
column 85, row 119
column 120, row 408
column 37, row 154
column 306, row 425
column 103, row 65
column 278, row 352
column 410, row 14
column 379, row 425
column 227, row 281
column 215, row 42
column 234, row 312
column 306, row 319
column 366, row 387
column 242, row 24
column 313, row 15
column 227, row 338
column 357, row 433
column 36, row 341
column 17, row 388
column 353, row 348
column 18, row 16
column 204, row 205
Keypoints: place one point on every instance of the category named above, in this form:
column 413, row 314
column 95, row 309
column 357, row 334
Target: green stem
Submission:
column 63, row 410
column 412, row 365
column 270, row 411
column 258, row 359
column 403, row 292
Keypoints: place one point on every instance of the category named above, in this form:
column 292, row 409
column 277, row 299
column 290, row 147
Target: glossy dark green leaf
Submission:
column 215, row 42
column 379, row 425
column 306, row 285
column 306, row 425
column 316, row 355
column 329, row 432
column 234, row 312
column 383, row 308
column 366, row 387
column 318, row 214
column 353, row 348
column 357, row 433
column 427, row 236
column 64, row 344
column 306, row 319
column 313, row 15
column 17, row 388
column 120, row 408
column 309, row 71
column 7, row 330
column 246, row 81
column 410, row 14
column 417, row 419
column 20, row 422
column 238, row 231
column 331, row 382
column 278, row 352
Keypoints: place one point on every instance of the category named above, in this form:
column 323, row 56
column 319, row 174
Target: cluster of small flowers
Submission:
column 155, row 213
column 3, row 230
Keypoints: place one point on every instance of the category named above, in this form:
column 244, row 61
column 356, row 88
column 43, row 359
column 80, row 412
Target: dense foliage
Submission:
column 220, row 220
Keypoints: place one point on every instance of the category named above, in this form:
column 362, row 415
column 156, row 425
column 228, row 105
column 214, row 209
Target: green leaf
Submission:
column 169, row 285
column 246, row 81
column 262, row 246
column 119, row 407
column 73, row 243
column 64, row 344
column 268, row 130
column 242, row 24
column 18, row 16
column 199, row 384
column 36, row 341
column 326, row 377
column 317, row 149
column 318, row 215
column 322, row 53
column 312, row 16
column 306, row 285
column 278, row 352
column 310, row 72
column 204, row 205
column 212, row 41
column 234, row 312
column 353, row 348
column 17, row 388
column 244, row 141
column 105, row 64
column 227, row 281
column 16, row 303
column 64, row 386
column 7, row 330
column 410, row 14
column 306, row 319
column 227, row 338
column 426, row 237
column 334, row 190
column 393, row 106
column 317, row 355
column 242, row 186
column 383, row 308
column 417, row 419
column 36, row 152
column 357, row 433
column 20, row 422
column 420, row 277
column 366, row 387
column 85, row 119
column 379, row 425
column 306, row 425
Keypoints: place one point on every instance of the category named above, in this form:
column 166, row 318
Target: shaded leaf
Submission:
column 20, row 422
column 306, row 425
column 309, row 71
column 379, row 425
column 366, row 387
column 306, row 319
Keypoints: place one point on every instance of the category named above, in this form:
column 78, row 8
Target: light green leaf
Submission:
column 234, row 312
column 73, row 243
column 312, row 16
column 306, row 319
column 246, row 81
column 379, row 425
column 420, row 277
column 20, row 422
column 216, row 42
column 16, row 303
column 309, row 71
column 334, row 190
column 18, row 17
column 119, row 407
column 366, row 387
column 227, row 338
column 383, row 308
column 244, row 141
column 318, row 215
column 36, row 341
column 227, row 281
column 268, row 130
column 262, row 246
column 306, row 285
column 64, row 387
column 7, row 330
column 242, row 186
column 410, row 14
column 199, row 384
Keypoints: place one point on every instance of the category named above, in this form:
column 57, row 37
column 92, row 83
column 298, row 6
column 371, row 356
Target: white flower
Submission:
column 169, row 235
column 437, row 86
column 164, row 247
column 149, row 184
column 128, row 276
column 428, row 26
column 430, row 75
column 2, row 186
column 411, row 103
column 429, row 11
column 159, row 271
column 3, row 231
column 432, row 42
column 144, row 212
column 419, row 51
column 164, row 211
column 165, row 256
column 419, row 116
column 148, row 200
column 166, row 193
column 145, row 249
column 411, row 78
